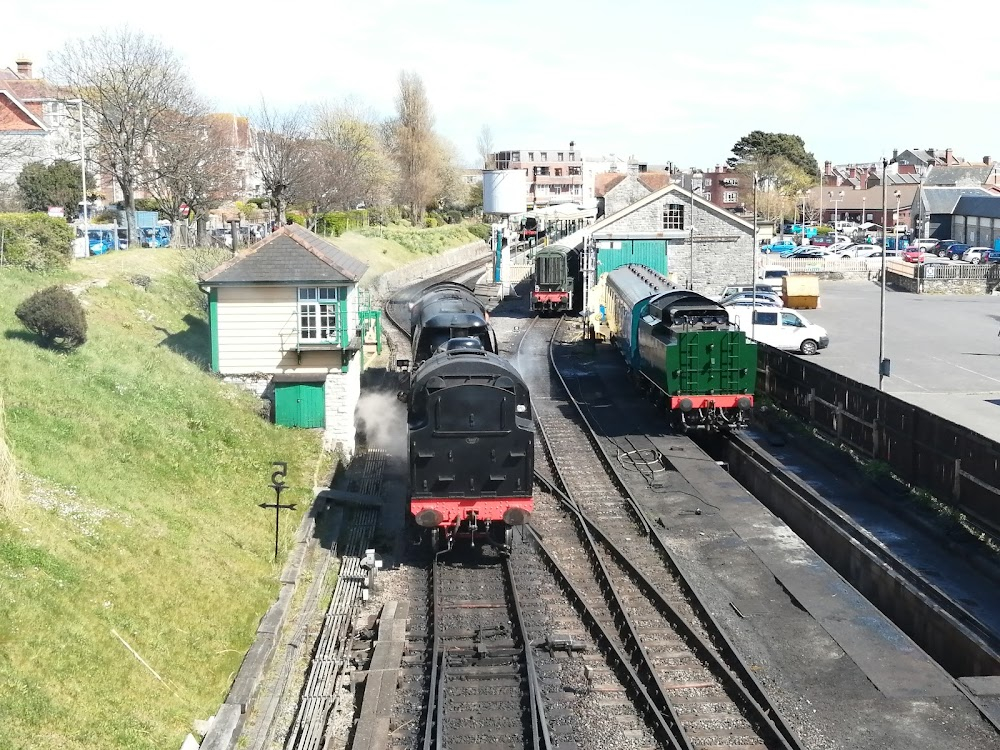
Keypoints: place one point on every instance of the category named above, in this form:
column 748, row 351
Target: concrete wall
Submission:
column 941, row 286
column 723, row 248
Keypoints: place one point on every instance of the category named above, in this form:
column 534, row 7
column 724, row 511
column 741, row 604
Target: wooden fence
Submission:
column 959, row 467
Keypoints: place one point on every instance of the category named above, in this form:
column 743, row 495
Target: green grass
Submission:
column 386, row 248
column 141, row 478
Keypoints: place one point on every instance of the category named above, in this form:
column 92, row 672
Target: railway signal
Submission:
column 278, row 485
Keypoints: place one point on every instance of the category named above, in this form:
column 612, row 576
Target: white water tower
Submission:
column 505, row 191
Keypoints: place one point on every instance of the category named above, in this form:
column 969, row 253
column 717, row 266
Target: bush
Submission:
column 430, row 222
column 454, row 217
column 482, row 231
column 36, row 241
column 296, row 217
column 55, row 316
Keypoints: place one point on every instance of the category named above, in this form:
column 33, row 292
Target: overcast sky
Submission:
column 658, row 79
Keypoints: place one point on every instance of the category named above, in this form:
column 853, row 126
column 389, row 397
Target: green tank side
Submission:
column 709, row 363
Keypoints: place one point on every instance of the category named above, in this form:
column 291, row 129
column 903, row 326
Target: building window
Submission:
column 561, row 155
column 544, row 156
column 576, row 189
column 730, row 196
column 575, row 171
column 572, row 157
column 318, row 308
column 707, row 183
column 558, row 172
column 673, row 216
column 531, row 157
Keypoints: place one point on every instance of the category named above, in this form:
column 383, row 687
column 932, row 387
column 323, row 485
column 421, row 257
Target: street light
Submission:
column 83, row 178
column 883, row 363
column 836, row 201
column 895, row 224
column 863, row 199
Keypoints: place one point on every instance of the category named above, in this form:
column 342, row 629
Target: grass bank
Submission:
column 386, row 248
column 138, row 523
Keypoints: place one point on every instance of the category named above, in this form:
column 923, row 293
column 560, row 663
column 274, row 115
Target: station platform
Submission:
column 841, row 673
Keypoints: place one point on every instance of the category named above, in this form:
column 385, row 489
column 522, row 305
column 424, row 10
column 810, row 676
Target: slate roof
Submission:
column 290, row 255
column 979, row 205
column 958, row 176
column 942, row 200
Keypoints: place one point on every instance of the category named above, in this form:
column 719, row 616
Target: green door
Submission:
column 299, row 405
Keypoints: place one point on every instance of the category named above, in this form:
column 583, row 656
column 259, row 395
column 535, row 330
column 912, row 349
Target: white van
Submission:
column 783, row 329
column 772, row 276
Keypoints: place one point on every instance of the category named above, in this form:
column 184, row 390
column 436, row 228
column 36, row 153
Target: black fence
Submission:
column 959, row 467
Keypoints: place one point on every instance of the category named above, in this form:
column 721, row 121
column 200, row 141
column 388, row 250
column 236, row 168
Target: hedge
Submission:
column 36, row 241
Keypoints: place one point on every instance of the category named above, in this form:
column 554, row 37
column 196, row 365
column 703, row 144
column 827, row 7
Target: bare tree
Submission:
column 354, row 165
column 414, row 145
column 132, row 87
column 451, row 189
column 194, row 163
column 487, row 150
column 280, row 148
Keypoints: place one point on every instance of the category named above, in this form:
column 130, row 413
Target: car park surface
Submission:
column 944, row 349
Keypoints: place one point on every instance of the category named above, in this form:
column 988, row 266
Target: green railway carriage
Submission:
column 681, row 348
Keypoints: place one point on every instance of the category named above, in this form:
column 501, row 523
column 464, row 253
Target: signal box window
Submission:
column 673, row 216
column 318, row 313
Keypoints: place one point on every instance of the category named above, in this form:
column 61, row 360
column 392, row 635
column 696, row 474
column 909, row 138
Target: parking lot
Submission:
column 944, row 350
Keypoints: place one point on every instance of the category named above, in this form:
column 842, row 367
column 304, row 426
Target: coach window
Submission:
column 673, row 216
column 318, row 313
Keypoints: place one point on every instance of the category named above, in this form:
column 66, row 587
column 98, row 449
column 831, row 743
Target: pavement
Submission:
column 944, row 349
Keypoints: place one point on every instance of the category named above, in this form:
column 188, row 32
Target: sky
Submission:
column 659, row 80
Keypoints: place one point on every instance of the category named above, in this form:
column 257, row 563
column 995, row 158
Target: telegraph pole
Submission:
column 883, row 363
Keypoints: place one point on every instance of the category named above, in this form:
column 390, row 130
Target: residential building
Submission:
column 864, row 175
column 555, row 175
column 37, row 122
column 863, row 205
column 721, row 186
column 966, row 175
column 286, row 321
column 615, row 190
column 976, row 220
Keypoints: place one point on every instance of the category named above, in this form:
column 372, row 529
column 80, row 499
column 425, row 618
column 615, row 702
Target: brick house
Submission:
column 286, row 322
column 37, row 123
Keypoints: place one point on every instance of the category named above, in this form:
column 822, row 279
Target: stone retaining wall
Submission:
column 411, row 272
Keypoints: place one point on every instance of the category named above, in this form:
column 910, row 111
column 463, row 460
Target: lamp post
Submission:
column 895, row 225
column 753, row 276
column 863, row 199
column 83, row 177
column 836, row 201
column 883, row 363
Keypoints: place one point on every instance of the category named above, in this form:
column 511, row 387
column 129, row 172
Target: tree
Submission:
column 451, row 189
column 280, row 149
column 765, row 150
column 193, row 163
column 57, row 184
column 486, row 148
column 415, row 148
column 353, row 164
column 133, row 88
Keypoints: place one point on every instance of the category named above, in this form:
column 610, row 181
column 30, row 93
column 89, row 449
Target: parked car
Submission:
column 943, row 248
column 779, row 247
column 740, row 288
column 772, row 275
column 781, row 328
column 974, row 254
column 857, row 250
column 915, row 254
column 926, row 243
column 761, row 299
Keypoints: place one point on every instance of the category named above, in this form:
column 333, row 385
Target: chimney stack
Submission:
column 828, row 168
column 23, row 67
column 987, row 160
column 930, row 152
column 895, row 154
column 947, row 156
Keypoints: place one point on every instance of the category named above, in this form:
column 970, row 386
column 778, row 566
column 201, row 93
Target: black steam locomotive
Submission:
column 469, row 426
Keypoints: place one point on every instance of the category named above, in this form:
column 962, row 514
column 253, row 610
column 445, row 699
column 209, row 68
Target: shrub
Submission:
column 36, row 241
column 430, row 222
column 55, row 316
column 454, row 217
column 482, row 231
column 296, row 217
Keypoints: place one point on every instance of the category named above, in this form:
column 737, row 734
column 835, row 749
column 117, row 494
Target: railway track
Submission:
column 703, row 694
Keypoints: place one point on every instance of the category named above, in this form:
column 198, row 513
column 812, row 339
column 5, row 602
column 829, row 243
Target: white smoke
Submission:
column 382, row 418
